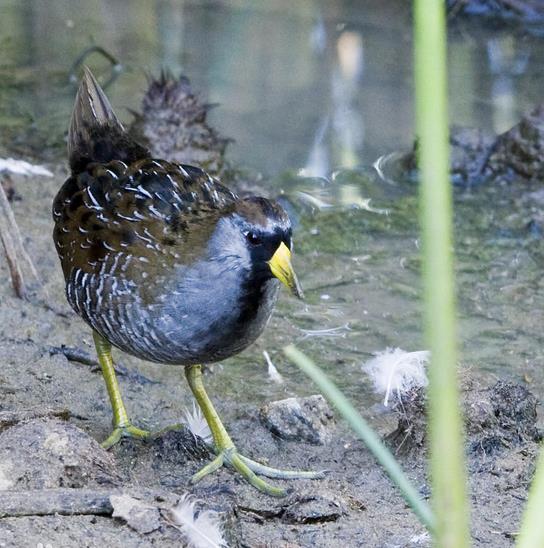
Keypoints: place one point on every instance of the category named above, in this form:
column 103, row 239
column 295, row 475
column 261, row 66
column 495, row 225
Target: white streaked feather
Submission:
column 398, row 370
column 201, row 529
column 197, row 423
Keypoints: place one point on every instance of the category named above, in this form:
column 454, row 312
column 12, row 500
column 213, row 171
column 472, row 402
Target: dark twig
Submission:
column 79, row 355
column 116, row 66
column 9, row 188
column 74, row 354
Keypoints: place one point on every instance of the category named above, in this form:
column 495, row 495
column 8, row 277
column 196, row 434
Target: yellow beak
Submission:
column 280, row 265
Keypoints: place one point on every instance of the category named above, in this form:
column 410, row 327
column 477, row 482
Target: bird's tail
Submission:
column 96, row 134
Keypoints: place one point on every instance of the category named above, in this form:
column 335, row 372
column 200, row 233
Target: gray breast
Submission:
column 207, row 320
column 200, row 315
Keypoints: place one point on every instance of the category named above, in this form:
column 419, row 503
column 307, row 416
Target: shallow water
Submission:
column 313, row 94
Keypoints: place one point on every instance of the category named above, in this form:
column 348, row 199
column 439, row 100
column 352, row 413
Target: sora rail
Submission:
column 167, row 264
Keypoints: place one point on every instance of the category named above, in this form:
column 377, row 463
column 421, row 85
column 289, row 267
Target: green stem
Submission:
column 445, row 427
column 363, row 430
column 532, row 529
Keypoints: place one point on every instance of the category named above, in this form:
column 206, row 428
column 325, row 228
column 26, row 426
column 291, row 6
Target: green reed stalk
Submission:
column 532, row 527
column 446, row 445
column 365, row 432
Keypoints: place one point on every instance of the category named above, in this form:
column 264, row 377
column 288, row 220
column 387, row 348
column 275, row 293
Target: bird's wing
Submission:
column 152, row 211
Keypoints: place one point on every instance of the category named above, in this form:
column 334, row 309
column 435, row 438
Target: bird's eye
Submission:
column 252, row 238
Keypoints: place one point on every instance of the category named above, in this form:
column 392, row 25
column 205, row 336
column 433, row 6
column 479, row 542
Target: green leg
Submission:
column 121, row 423
column 227, row 452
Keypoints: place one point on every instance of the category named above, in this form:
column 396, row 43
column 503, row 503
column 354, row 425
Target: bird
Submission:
column 165, row 263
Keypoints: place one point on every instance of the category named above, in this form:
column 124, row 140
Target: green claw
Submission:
column 231, row 457
column 263, row 486
column 127, row 431
column 122, row 427
column 209, row 468
column 227, row 452
column 276, row 473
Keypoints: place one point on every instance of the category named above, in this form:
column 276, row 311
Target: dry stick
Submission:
column 67, row 502
column 13, row 247
column 13, row 264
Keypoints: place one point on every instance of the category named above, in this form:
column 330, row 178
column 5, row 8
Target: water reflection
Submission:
column 508, row 60
column 347, row 120
column 306, row 85
column 292, row 78
column 495, row 74
column 339, row 138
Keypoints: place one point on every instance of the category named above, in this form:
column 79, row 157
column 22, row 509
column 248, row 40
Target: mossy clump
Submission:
column 173, row 125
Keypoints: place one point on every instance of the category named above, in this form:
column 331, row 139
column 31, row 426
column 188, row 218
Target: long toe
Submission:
column 127, row 431
column 276, row 473
column 249, row 469
column 238, row 464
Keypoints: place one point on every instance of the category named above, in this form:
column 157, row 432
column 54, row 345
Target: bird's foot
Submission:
column 126, row 431
column 249, row 470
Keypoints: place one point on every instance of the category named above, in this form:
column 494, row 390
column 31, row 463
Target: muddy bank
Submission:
column 477, row 156
column 518, row 11
column 55, row 410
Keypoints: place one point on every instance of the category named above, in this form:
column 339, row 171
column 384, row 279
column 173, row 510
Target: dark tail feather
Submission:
column 96, row 134
column 91, row 109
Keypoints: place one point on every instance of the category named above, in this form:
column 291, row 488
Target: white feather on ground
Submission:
column 201, row 529
column 273, row 373
column 23, row 168
column 197, row 423
column 398, row 370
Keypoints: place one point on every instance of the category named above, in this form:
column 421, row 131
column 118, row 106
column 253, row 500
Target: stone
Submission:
column 314, row 508
column 520, row 149
column 50, row 453
column 307, row 419
column 143, row 518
